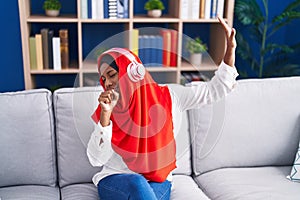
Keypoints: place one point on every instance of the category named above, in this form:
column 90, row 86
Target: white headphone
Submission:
column 135, row 70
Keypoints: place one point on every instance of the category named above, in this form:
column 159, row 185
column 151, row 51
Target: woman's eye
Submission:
column 111, row 76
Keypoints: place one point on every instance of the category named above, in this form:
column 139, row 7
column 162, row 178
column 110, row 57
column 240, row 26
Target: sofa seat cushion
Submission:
column 184, row 187
column 249, row 184
column 29, row 192
column 86, row 191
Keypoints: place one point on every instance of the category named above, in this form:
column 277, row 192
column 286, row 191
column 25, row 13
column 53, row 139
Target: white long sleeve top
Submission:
column 99, row 150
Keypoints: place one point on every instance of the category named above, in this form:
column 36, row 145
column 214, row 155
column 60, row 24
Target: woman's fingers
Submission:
column 225, row 26
column 230, row 32
column 106, row 97
column 232, row 40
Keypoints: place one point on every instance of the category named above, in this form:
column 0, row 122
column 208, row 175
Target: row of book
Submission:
column 104, row 9
column 187, row 77
column 203, row 9
column 156, row 50
column 48, row 51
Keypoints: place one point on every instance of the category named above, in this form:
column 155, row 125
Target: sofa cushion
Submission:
column 184, row 187
column 27, row 192
column 73, row 109
column 79, row 192
column 27, row 142
column 258, row 124
column 249, row 184
column 295, row 173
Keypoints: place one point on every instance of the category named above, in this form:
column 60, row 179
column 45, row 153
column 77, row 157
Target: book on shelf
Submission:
column 159, row 49
column 56, row 53
column 173, row 53
column 32, row 52
column 50, row 47
column 207, row 10
column 188, row 77
column 150, row 50
column 184, row 9
column 39, row 51
column 89, row 8
column 201, row 9
column 134, row 41
column 49, row 52
column 112, row 9
column 64, row 48
column 47, row 36
column 44, row 33
column 104, row 9
column 123, row 8
column 140, row 49
column 97, row 9
column 213, row 9
column 220, row 7
column 194, row 9
column 146, row 49
column 153, row 52
column 84, row 9
column 166, row 36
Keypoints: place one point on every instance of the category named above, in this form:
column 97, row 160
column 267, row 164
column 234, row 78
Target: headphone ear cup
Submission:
column 136, row 71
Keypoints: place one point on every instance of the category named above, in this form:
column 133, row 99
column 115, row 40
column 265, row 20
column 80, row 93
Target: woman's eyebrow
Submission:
column 109, row 71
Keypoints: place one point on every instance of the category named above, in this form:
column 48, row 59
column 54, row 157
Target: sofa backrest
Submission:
column 73, row 108
column 27, row 154
column 258, row 124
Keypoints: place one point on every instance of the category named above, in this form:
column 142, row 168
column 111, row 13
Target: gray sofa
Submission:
column 241, row 147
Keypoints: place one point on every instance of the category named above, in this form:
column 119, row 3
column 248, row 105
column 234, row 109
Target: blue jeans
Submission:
column 133, row 187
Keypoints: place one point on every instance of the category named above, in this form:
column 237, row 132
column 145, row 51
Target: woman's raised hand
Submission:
column 108, row 100
column 229, row 57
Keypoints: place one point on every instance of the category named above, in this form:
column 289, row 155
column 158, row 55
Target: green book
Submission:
column 32, row 52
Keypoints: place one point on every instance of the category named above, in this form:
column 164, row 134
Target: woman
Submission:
column 133, row 140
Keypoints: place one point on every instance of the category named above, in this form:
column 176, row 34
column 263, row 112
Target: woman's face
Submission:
column 109, row 76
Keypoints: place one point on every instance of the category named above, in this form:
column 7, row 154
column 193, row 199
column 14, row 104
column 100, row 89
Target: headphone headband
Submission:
column 122, row 51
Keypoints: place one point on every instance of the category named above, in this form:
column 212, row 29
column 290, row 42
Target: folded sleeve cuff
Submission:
column 227, row 75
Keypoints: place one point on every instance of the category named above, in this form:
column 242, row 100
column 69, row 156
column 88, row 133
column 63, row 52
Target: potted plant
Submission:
column 196, row 48
column 154, row 8
column 52, row 7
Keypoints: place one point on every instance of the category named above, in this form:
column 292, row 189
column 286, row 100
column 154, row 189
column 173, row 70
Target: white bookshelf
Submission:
column 170, row 74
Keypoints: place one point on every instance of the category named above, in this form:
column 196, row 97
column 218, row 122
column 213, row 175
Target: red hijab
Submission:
column 142, row 127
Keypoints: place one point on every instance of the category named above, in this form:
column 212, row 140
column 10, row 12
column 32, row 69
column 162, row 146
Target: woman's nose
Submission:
column 108, row 83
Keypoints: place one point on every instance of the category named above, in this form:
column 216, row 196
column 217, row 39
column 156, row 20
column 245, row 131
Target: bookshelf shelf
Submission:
column 104, row 20
column 201, row 20
column 85, row 34
column 161, row 69
column 204, row 67
column 163, row 19
column 60, row 19
column 51, row 71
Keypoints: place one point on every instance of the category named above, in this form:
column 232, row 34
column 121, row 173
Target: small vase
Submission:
column 196, row 59
column 154, row 13
column 52, row 13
